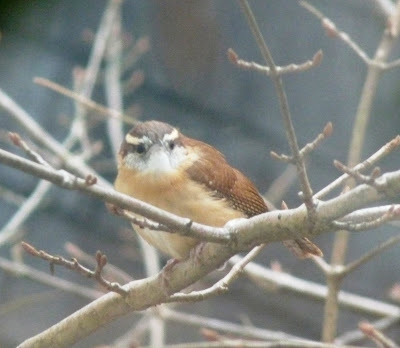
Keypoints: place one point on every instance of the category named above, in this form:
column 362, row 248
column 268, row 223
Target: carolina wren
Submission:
column 159, row 165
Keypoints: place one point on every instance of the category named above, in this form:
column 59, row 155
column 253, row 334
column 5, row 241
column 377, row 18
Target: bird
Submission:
column 161, row 166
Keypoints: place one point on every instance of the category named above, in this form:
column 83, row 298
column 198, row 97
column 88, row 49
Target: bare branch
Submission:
column 375, row 335
column 327, row 132
column 370, row 254
column 284, row 107
column 33, row 155
column 291, row 68
column 88, row 103
column 279, row 281
column 222, row 285
column 223, row 326
column 111, row 270
column 233, row 231
column 22, row 270
column 390, row 214
column 74, row 265
column 37, row 133
column 332, row 31
column 367, row 164
column 308, row 148
column 112, row 84
column 66, row 180
column 139, row 48
column 357, row 335
column 365, row 179
column 139, row 222
column 99, row 46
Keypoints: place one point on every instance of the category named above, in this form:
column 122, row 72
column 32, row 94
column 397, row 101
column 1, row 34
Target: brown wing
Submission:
column 225, row 181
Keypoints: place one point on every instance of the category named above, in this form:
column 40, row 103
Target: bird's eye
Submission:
column 171, row 145
column 140, row 149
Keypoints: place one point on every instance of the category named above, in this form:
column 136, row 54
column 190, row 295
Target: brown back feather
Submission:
column 223, row 180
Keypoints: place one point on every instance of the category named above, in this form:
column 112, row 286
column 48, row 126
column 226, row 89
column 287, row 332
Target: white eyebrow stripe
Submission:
column 171, row 136
column 130, row 139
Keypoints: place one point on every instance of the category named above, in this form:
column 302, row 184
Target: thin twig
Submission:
column 369, row 214
column 332, row 31
column 140, row 222
column 88, row 103
column 33, row 155
column 350, row 267
column 110, row 271
column 357, row 335
column 365, row 179
column 376, row 335
column 11, row 229
column 291, row 68
column 365, row 165
column 327, row 132
column 25, row 271
column 308, row 148
column 390, row 214
column 222, row 285
column 99, row 47
column 74, row 265
column 391, row 65
column 223, row 326
column 284, row 107
column 139, row 48
column 37, row 133
column 282, row 281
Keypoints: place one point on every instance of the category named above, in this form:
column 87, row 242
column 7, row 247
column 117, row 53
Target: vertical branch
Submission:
column 112, row 85
column 367, row 97
column 331, row 308
column 360, row 126
column 114, row 97
column 362, row 119
column 99, row 47
column 85, row 87
column 283, row 104
column 151, row 260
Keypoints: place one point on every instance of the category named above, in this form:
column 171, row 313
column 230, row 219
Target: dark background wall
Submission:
column 190, row 83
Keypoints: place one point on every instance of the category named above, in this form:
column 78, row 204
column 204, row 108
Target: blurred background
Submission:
column 189, row 82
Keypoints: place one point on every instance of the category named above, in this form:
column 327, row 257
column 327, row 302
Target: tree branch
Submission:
column 284, row 107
